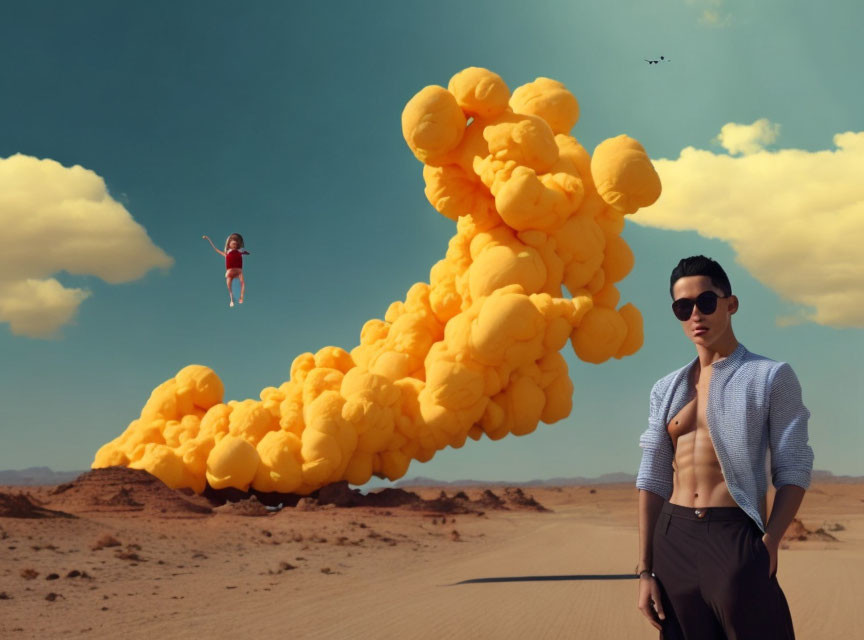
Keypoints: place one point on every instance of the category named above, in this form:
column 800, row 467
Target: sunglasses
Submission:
column 706, row 302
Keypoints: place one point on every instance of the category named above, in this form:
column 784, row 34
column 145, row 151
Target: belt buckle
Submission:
column 700, row 513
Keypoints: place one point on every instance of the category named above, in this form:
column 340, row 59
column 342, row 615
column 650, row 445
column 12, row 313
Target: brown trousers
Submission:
column 713, row 577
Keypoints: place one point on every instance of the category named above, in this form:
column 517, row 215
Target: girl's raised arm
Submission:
column 222, row 253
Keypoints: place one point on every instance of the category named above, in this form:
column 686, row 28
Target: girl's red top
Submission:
column 234, row 259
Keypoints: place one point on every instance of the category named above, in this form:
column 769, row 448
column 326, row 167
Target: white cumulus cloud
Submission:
column 747, row 138
column 56, row 219
column 795, row 218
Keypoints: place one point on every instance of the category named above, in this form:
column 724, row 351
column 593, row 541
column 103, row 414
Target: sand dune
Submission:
column 123, row 566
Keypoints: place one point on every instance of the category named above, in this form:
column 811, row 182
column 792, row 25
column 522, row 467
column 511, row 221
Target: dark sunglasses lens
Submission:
column 682, row 308
column 707, row 302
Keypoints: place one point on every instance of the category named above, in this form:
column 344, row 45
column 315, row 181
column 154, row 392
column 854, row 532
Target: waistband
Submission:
column 704, row 514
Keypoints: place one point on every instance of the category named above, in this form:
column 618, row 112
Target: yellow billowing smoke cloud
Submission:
column 58, row 218
column 794, row 218
column 476, row 350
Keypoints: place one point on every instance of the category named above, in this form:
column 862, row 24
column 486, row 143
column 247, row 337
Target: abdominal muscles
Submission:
column 698, row 478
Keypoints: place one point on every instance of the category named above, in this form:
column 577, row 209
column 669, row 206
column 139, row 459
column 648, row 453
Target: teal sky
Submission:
column 282, row 121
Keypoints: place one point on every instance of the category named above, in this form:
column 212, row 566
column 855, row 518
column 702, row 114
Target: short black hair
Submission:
column 701, row 266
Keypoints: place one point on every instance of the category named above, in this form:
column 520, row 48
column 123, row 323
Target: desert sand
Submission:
column 118, row 554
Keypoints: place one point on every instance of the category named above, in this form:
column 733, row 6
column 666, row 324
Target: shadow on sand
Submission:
column 581, row 576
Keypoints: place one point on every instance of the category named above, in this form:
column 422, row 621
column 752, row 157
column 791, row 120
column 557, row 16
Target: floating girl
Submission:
column 233, row 253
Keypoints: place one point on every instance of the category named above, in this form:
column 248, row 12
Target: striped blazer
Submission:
column 754, row 408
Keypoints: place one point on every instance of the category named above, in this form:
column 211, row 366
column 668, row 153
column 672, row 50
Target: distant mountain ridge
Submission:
column 826, row 476
column 36, row 476
column 818, row 475
column 606, row 478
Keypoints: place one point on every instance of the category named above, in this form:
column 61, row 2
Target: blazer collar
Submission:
column 732, row 358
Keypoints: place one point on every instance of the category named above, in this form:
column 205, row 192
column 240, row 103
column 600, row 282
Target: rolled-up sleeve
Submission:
column 791, row 455
column 655, row 470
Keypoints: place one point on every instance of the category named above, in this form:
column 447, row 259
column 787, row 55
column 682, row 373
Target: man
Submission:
column 707, row 557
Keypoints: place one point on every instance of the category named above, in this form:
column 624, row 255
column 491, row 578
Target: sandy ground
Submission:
column 366, row 572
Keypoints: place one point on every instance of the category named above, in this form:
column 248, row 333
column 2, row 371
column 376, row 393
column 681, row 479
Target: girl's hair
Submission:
column 234, row 236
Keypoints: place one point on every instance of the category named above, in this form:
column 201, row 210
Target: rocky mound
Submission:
column 120, row 489
column 22, row 505
column 123, row 489
column 487, row 499
column 517, row 498
column 248, row 507
column 457, row 503
column 216, row 497
column 392, row 498
column 340, row 494
column 797, row 531
column 514, row 498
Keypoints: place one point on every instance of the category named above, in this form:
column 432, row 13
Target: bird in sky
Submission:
column 662, row 59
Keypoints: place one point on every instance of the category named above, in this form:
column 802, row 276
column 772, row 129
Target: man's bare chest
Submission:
column 691, row 421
